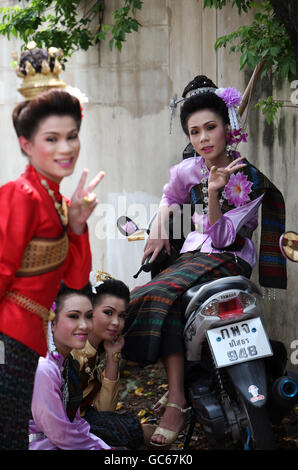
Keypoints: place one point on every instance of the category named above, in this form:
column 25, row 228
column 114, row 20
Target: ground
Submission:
column 142, row 387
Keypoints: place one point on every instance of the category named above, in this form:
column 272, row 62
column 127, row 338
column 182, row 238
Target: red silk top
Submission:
column 27, row 211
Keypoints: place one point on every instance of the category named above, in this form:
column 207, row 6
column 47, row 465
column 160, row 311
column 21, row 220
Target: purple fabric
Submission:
column 183, row 177
column 49, row 416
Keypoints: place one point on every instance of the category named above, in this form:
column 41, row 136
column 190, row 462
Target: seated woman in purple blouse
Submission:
column 56, row 422
column 229, row 191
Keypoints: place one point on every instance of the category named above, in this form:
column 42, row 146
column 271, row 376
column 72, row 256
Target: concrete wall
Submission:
column 125, row 128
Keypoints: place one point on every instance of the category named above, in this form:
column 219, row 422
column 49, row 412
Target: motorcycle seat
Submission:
column 199, row 293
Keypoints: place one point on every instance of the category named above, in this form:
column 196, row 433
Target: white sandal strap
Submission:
column 182, row 410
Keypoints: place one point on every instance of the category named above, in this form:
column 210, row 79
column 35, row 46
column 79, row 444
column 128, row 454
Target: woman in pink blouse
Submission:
column 56, row 422
column 224, row 192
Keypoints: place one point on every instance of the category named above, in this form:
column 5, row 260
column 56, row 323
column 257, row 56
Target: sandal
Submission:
column 171, row 436
column 159, row 406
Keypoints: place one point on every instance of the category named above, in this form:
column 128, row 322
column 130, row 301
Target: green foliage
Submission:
column 269, row 107
column 265, row 40
column 242, row 5
column 123, row 24
column 59, row 23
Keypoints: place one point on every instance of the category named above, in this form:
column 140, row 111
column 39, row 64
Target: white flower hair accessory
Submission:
column 51, row 344
column 97, row 278
column 74, row 91
column 94, row 283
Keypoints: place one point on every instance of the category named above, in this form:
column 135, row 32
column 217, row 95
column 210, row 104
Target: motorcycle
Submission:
column 235, row 378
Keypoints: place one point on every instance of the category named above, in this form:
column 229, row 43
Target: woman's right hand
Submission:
column 83, row 202
column 157, row 240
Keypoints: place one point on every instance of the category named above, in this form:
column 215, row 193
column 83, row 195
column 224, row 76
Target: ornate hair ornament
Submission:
column 41, row 77
column 232, row 99
column 97, row 278
column 44, row 75
column 51, row 345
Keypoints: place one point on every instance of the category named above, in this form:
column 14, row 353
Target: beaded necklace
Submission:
column 204, row 182
column 61, row 207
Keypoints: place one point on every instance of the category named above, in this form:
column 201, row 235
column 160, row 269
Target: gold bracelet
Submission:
column 116, row 355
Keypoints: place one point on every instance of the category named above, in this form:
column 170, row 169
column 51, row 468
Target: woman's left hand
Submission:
column 219, row 177
column 83, row 203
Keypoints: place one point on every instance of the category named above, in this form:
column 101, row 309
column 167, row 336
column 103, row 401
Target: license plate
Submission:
column 239, row 342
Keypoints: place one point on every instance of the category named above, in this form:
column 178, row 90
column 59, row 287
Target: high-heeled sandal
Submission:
column 171, row 436
column 161, row 403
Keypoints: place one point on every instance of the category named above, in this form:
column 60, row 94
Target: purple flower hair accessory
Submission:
column 54, row 306
column 231, row 96
column 236, row 136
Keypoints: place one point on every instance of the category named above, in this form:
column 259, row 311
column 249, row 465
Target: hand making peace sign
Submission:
column 83, row 202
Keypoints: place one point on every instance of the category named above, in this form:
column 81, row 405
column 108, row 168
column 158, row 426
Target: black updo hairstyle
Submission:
column 113, row 287
column 208, row 100
column 65, row 291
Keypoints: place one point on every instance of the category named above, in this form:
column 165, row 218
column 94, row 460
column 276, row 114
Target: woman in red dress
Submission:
column 43, row 240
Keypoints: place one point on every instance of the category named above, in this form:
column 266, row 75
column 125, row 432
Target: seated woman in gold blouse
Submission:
column 100, row 383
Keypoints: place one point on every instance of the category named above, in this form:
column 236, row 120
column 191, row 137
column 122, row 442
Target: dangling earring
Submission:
column 229, row 151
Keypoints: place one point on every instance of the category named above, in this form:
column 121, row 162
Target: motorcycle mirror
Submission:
column 288, row 244
column 126, row 226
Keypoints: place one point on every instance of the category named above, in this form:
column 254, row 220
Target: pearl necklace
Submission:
column 61, row 207
column 204, row 182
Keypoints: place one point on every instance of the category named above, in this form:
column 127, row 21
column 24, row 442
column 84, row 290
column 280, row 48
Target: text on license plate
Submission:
column 238, row 342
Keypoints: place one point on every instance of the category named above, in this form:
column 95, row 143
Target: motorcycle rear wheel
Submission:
column 260, row 427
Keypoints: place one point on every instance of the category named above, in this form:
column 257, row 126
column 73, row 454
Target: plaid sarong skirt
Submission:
column 155, row 322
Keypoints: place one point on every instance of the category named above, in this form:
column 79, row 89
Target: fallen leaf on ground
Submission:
column 163, row 386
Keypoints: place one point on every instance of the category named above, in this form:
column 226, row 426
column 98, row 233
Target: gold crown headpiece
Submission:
column 97, row 278
column 102, row 276
column 42, row 76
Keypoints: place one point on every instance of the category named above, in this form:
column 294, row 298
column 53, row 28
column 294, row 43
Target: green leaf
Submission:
column 66, row 27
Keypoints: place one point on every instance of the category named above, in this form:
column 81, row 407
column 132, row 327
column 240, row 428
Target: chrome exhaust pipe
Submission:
column 285, row 391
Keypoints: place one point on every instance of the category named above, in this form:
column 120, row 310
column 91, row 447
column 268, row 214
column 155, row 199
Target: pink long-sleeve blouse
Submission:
column 183, row 177
column 50, row 428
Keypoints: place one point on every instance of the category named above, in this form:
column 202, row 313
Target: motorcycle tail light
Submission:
column 211, row 309
column 230, row 308
column 246, row 299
